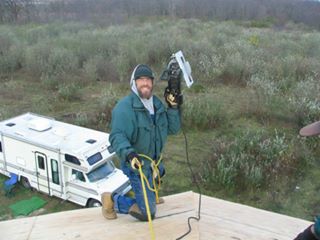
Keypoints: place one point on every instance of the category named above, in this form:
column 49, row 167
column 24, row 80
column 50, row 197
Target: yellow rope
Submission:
column 155, row 189
column 146, row 202
column 154, row 168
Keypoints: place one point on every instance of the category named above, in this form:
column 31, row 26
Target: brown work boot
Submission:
column 160, row 200
column 108, row 206
column 135, row 211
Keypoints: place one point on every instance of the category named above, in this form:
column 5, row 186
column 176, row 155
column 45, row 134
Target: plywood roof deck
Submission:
column 219, row 220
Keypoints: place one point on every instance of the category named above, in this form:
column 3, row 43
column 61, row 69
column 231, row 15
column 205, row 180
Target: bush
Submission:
column 264, row 85
column 305, row 101
column 81, row 119
column 49, row 62
column 11, row 52
column 252, row 159
column 4, row 113
column 90, row 68
column 262, row 23
column 108, row 101
column 203, row 112
column 265, row 94
column 37, row 58
column 60, row 62
column 98, row 68
column 235, row 72
column 68, row 92
column 13, row 59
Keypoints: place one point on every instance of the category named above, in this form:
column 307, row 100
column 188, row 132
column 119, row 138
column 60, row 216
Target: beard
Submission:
column 145, row 92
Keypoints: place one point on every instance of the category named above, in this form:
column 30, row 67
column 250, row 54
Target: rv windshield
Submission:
column 101, row 172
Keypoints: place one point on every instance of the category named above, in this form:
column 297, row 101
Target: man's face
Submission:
column 144, row 87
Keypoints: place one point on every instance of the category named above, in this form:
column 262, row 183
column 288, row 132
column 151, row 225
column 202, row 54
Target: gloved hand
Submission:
column 173, row 100
column 133, row 159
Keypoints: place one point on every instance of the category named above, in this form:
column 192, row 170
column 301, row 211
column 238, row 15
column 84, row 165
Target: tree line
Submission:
column 118, row 11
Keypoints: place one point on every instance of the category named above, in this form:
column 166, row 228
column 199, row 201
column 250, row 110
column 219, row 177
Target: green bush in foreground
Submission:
column 252, row 159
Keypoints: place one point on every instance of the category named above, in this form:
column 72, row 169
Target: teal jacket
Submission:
column 133, row 130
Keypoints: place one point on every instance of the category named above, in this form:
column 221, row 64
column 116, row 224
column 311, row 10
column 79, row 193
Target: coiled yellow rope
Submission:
column 147, row 203
column 155, row 173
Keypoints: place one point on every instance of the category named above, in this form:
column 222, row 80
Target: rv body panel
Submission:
column 35, row 164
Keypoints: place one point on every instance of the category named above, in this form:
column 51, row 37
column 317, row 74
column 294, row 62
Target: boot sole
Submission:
column 138, row 216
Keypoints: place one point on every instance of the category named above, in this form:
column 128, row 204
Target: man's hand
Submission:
column 133, row 158
column 173, row 100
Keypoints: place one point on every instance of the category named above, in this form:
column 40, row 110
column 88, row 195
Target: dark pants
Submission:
column 123, row 203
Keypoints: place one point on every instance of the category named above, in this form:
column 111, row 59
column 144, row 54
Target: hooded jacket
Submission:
column 133, row 130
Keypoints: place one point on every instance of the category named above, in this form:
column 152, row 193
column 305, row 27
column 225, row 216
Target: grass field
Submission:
column 255, row 88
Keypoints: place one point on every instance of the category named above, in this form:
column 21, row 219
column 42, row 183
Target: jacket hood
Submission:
column 148, row 103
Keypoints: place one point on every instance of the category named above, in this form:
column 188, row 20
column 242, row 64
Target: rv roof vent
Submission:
column 91, row 141
column 10, row 124
column 39, row 124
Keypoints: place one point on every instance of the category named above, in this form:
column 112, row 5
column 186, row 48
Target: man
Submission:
column 313, row 231
column 140, row 124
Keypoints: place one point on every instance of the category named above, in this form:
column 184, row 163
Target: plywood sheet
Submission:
column 219, row 220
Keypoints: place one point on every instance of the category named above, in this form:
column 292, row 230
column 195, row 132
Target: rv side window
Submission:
column 55, row 171
column 41, row 162
column 0, row 147
column 79, row 175
column 72, row 159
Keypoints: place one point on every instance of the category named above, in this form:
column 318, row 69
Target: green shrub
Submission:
column 36, row 33
column 68, row 92
column 13, row 59
column 37, row 57
column 310, row 44
column 81, row 119
column 108, row 100
column 48, row 61
column 50, row 82
column 4, row 113
column 264, row 85
column 91, row 68
column 265, row 94
column 235, row 72
column 209, row 66
column 11, row 51
column 238, row 62
column 98, row 68
column 262, row 23
column 203, row 112
column 252, row 159
column 60, row 62
column 305, row 101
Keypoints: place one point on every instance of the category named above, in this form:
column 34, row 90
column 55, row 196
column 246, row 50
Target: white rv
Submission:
column 59, row 159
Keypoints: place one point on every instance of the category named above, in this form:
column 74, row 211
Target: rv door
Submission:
column 42, row 172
